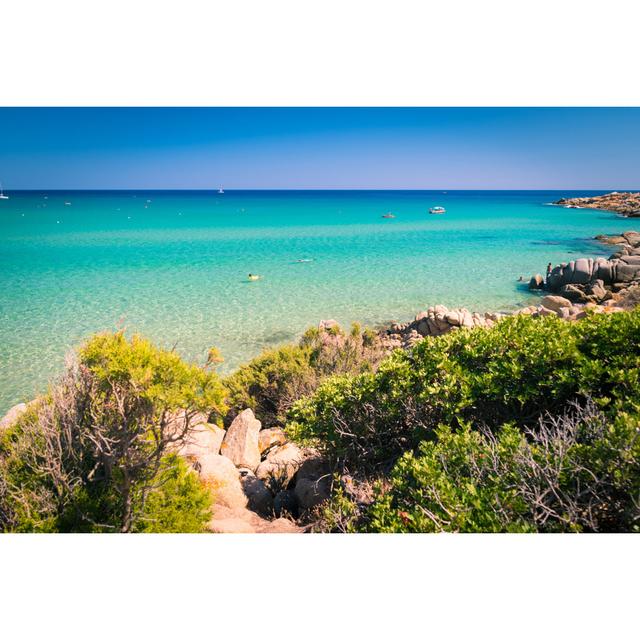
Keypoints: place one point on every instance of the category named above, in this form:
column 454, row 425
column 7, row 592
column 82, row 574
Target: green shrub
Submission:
column 179, row 503
column 516, row 371
column 91, row 454
column 576, row 473
column 273, row 381
column 270, row 383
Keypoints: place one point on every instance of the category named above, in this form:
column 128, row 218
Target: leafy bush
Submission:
column 516, row 371
column 574, row 473
column 273, row 381
column 179, row 503
column 94, row 449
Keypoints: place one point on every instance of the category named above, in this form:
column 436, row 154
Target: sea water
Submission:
column 173, row 266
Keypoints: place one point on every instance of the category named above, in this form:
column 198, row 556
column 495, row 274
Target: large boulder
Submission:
column 555, row 303
column 240, row 444
column 269, row 438
column 281, row 465
column 626, row 272
column 582, row 271
column 223, row 479
column 575, row 293
column 536, row 282
column 12, row 415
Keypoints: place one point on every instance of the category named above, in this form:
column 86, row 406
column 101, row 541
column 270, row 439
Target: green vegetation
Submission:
column 95, row 453
column 179, row 503
column 576, row 474
column 532, row 425
column 273, row 381
column 429, row 415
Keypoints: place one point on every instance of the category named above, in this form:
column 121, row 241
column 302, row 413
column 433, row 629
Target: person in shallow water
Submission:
column 548, row 271
column 253, row 276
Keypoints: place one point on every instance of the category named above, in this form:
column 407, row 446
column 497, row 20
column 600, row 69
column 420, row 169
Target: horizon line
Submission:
column 303, row 189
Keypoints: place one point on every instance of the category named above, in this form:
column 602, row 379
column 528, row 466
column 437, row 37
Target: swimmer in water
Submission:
column 253, row 276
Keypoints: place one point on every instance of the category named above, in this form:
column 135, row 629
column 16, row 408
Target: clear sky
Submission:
column 322, row 148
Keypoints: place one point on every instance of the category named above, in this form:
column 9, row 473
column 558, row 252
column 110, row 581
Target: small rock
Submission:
column 327, row 325
column 12, row 415
column 453, row 318
column 314, row 467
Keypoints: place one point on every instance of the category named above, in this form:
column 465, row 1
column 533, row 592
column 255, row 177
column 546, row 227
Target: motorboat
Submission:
column 388, row 215
column 437, row 210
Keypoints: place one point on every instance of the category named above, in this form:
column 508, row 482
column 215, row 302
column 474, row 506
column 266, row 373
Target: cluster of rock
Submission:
column 586, row 280
column 574, row 288
column 435, row 321
column 258, row 478
column 626, row 203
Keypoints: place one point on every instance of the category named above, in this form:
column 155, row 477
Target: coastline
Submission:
column 482, row 277
column 572, row 290
column 624, row 203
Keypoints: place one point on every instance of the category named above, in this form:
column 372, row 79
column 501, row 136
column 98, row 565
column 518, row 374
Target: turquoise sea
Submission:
column 174, row 265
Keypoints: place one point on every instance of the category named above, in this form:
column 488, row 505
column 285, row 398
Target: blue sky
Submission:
column 323, row 148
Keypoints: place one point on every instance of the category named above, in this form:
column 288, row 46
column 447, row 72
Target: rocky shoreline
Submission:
column 626, row 203
column 573, row 290
column 272, row 485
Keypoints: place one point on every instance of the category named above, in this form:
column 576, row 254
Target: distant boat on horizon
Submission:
column 2, row 196
column 220, row 190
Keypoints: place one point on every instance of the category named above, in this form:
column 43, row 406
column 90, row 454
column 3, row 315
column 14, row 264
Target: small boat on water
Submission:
column 388, row 215
column 437, row 210
column 220, row 190
column 2, row 195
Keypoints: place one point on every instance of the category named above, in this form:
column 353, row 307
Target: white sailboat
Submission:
column 2, row 196
column 220, row 190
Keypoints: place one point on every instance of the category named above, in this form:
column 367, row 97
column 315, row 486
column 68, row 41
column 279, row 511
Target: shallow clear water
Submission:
column 175, row 268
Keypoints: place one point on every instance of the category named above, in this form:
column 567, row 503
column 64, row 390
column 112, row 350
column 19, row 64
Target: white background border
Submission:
column 329, row 52
column 283, row 52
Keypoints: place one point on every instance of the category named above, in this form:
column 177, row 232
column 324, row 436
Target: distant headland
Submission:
column 626, row 203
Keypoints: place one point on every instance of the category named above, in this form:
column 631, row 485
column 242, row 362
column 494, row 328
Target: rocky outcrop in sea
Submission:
column 573, row 289
column 625, row 203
